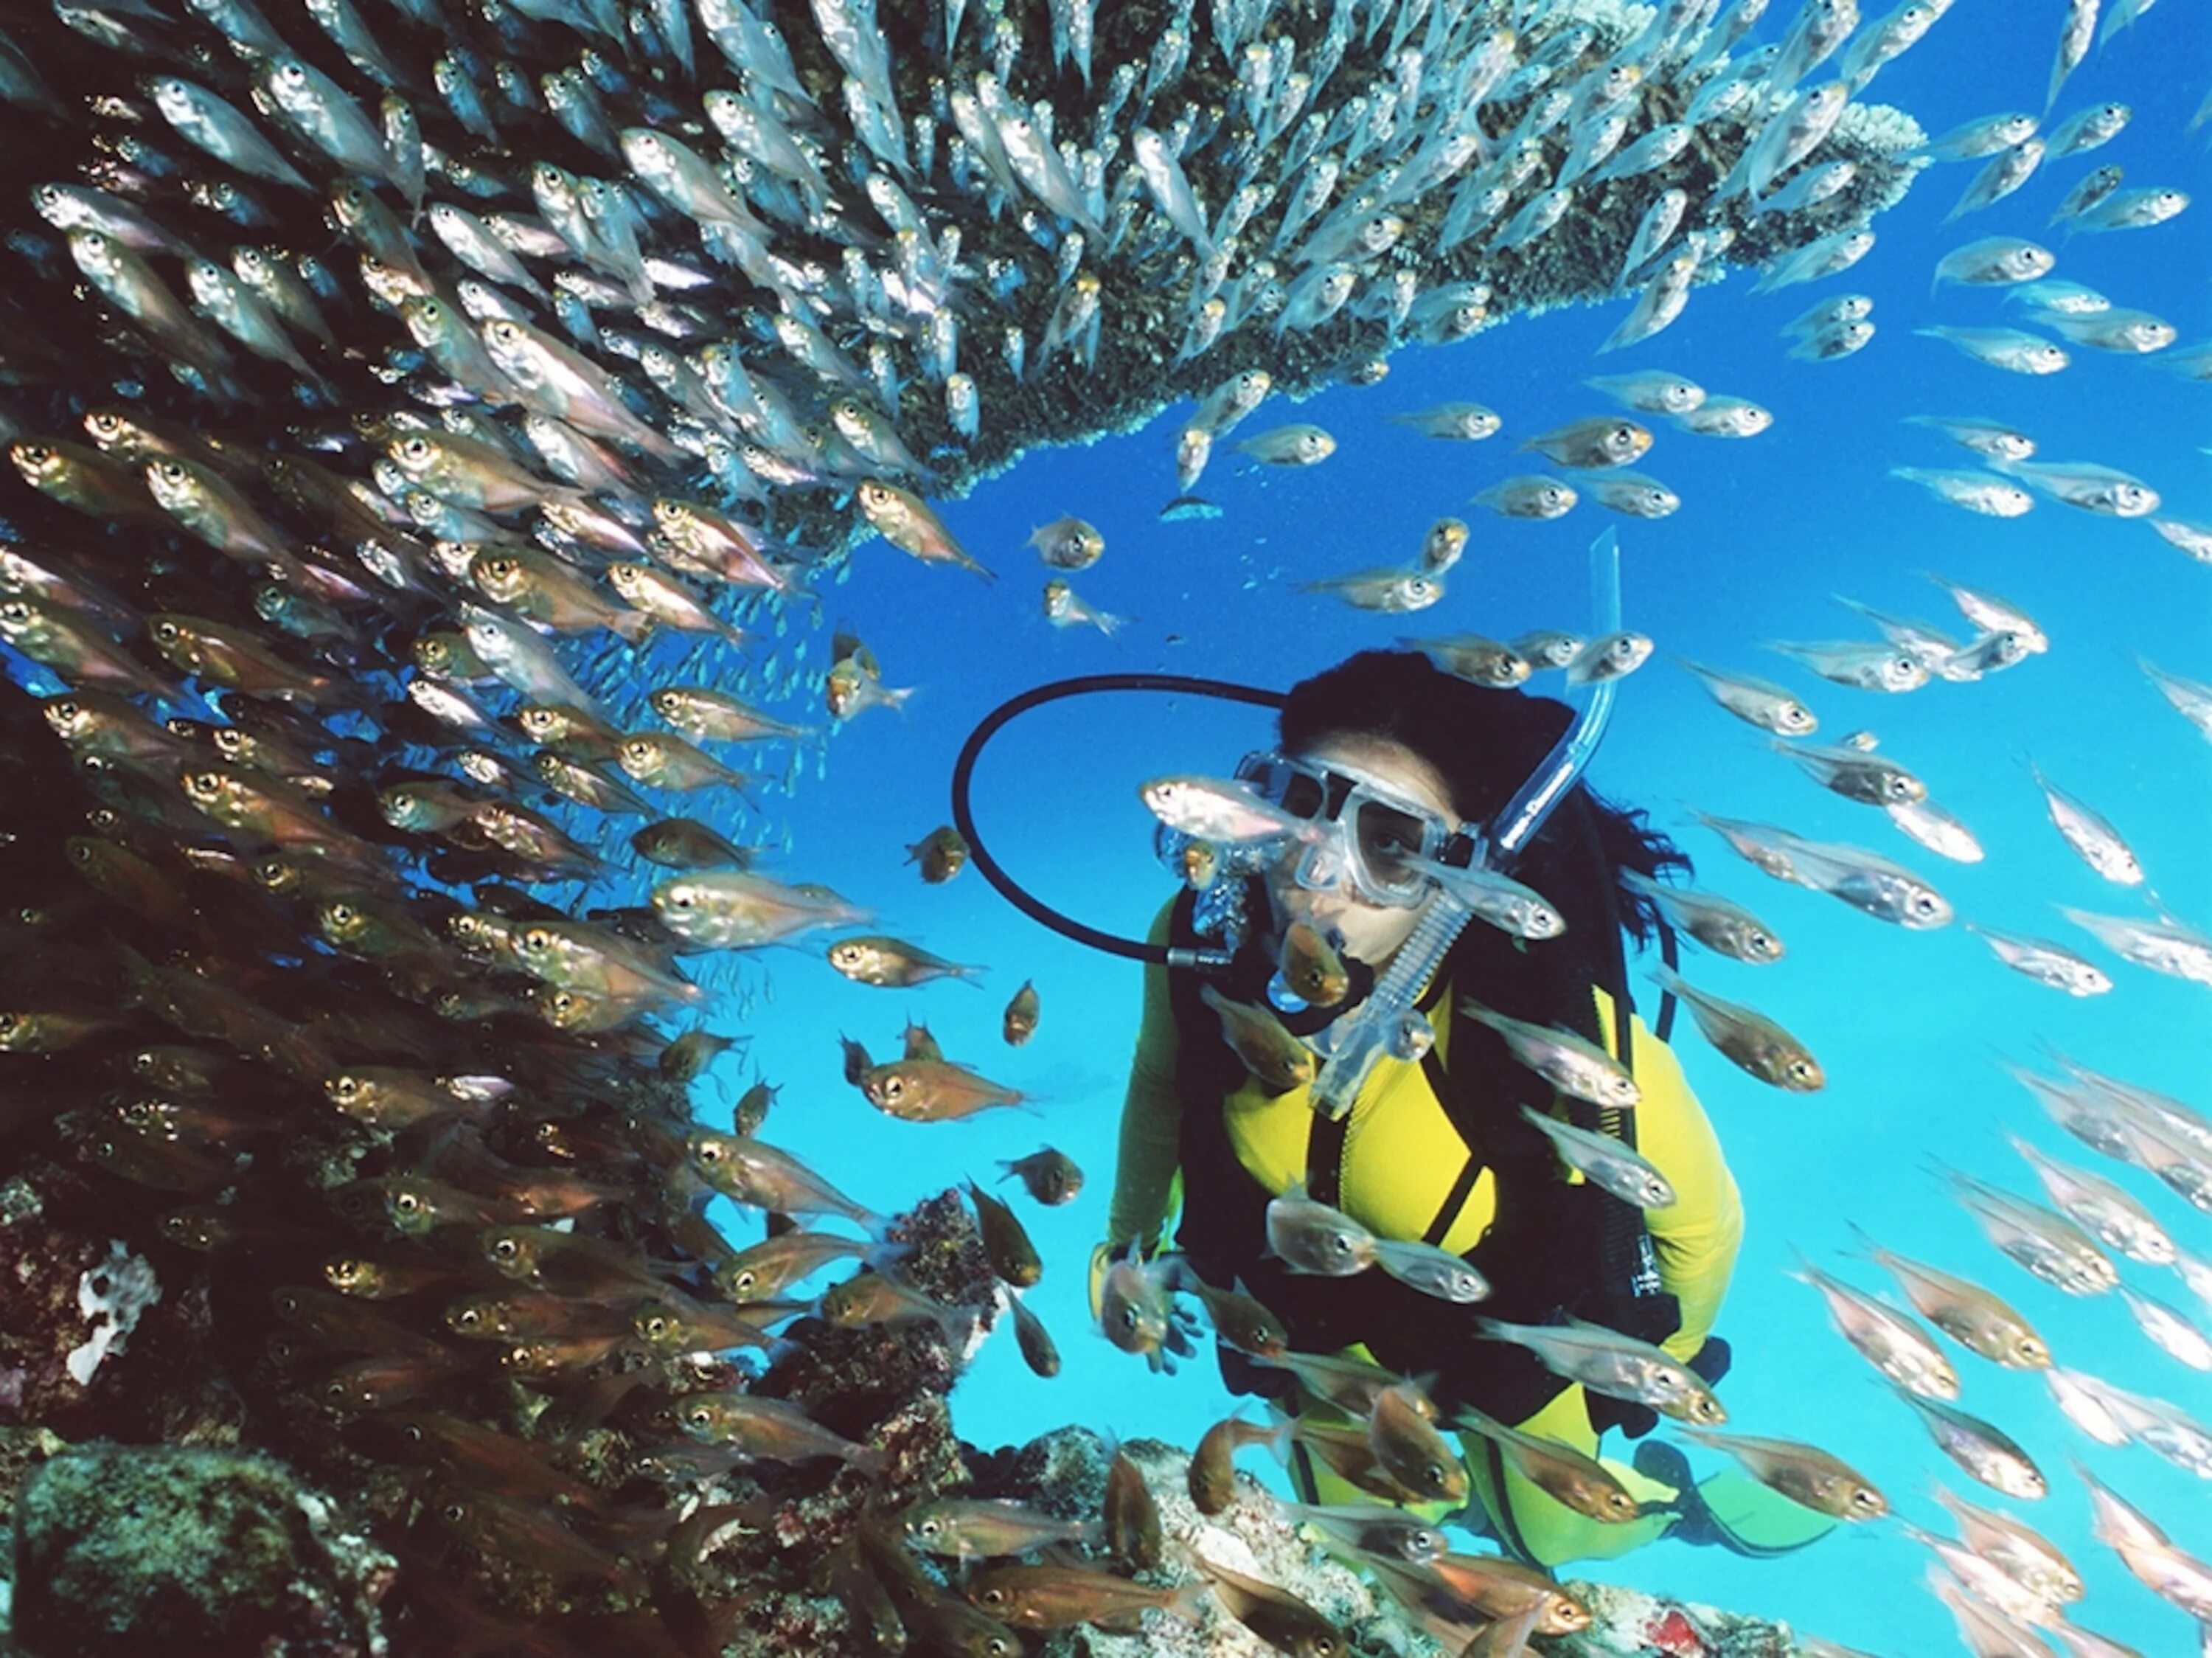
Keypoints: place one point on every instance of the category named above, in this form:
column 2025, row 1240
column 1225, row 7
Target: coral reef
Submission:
column 120, row 1551
column 1065, row 1473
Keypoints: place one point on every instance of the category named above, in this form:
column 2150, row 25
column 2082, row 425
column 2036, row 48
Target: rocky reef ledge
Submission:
column 130, row 1549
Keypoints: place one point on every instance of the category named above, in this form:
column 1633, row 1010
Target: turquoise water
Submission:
column 1911, row 1027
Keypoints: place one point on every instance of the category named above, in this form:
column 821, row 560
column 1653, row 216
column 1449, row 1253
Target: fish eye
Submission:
column 506, row 1249
column 710, row 1151
column 407, row 1203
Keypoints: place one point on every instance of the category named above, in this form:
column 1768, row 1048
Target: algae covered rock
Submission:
column 129, row 1551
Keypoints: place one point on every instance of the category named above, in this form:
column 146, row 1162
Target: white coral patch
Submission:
column 113, row 1295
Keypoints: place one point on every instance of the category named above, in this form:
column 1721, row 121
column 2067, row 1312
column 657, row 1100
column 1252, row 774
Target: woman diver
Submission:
column 1399, row 772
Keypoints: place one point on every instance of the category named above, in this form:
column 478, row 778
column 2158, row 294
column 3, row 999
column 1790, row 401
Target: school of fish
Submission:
column 387, row 387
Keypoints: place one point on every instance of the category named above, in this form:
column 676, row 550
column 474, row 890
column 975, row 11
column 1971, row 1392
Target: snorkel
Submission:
column 1351, row 1046
column 1380, row 1022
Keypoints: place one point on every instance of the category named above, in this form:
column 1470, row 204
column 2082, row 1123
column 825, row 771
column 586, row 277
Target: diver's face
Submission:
column 1370, row 931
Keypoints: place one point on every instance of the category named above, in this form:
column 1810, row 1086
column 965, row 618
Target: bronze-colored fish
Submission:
column 1005, row 1244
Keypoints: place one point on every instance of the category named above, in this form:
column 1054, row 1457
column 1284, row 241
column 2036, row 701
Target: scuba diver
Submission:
column 1388, row 778
column 1394, row 759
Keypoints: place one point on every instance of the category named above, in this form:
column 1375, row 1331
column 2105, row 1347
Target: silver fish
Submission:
column 1605, row 1161
column 2006, row 172
column 1754, row 1042
column 1759, row 702
column 1527, row 496
column 1652, row 391
column 2076, row 33
column 2087, row 130
column 320, row 112
column 1869, row 779
column 2132, row 209
column 2191, row 698
column 1940, row 830
column 1855, row 663
column 1981, row 492
column 1718, row 924
column 222, row 131
column 1570, row 1063
column 2092, row 838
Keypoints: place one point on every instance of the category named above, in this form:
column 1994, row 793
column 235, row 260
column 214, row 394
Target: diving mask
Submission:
column 1372, row 838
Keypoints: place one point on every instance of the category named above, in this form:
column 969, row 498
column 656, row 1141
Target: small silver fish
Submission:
column 2006, row 172
column 1572, row 1064
column 1756, row 1043
column 1296, row 445
column 1605, row 1161
column 1981, row 492
column 1391, row 592
column 1527, row 496
column 1650, row 391
column 1759, row 702
column 2090, row 835
column 1718, row 924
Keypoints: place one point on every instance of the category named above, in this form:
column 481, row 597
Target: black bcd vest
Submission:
column 1552, row 1246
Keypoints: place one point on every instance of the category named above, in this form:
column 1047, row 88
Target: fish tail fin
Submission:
column 1188, row 1603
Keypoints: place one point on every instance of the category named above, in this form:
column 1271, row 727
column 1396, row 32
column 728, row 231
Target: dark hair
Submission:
column 1486, row 743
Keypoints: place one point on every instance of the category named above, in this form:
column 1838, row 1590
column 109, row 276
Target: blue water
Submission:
column 1911, row 1027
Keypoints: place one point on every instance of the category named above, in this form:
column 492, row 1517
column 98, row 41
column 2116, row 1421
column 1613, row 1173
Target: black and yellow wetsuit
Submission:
column 1406, row 1166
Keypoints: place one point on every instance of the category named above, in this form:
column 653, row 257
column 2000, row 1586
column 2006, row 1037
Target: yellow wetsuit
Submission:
column 1400, row 1157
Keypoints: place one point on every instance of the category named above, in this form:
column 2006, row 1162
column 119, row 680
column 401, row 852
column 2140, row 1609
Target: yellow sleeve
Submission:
column 1696, row 1237
column 1151, row 1116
